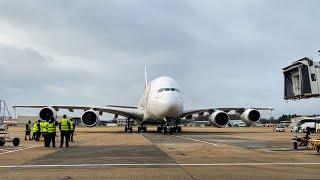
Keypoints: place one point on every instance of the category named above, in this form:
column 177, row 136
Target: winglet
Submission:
column 145, row 76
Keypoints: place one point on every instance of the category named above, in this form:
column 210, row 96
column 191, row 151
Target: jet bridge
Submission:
column 302, row 79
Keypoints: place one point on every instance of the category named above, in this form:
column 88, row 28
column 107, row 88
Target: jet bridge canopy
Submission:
column 301, row 79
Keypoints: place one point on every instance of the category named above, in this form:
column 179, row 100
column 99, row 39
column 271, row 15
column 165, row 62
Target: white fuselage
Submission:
column 162, row 100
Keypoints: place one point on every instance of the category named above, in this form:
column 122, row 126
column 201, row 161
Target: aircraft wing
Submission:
column 211, row 110
column 126, row 111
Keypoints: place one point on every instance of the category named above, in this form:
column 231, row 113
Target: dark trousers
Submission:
column 71, row 136
column 52, row 139
column 36, row 136
column 64, row 135
column 27, row 134
column 46, row 139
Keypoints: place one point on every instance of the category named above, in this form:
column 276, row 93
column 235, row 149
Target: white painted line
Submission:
column 170, row 165
column 17, row 150
column 196, row 140
column 4, row 150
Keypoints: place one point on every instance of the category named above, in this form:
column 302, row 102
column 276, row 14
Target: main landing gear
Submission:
column 128, row 127
column 170, row 129
column 142, row 128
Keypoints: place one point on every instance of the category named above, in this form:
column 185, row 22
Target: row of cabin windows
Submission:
column 168, row 89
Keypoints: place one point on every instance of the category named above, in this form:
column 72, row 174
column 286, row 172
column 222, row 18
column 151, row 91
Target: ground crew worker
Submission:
column 72, row 129
column 28, row 130
column 52, row 132
column 41, row 129
column 36, row 130
column 64, row 128
column 45, row 134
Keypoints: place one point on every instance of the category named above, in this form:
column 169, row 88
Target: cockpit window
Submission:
column 160, row 90
column 168, row 89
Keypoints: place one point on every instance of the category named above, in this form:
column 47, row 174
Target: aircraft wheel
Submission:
column 179, row 129
column 2, row 141
column 164, row 130
column 16, row 141
column 159, row 129
column 171, row 129
column 295, row 145
column 126, row 129
column 144, row 129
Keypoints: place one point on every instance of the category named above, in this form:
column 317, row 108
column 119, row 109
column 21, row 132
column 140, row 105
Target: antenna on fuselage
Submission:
column 145, row 77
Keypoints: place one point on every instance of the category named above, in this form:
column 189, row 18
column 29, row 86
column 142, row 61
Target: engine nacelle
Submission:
column 250, row 116
column 219, row 119
column 47, row 113
column 90, row 118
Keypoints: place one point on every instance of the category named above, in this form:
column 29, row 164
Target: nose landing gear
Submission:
column 142, row 128
column 169, row 128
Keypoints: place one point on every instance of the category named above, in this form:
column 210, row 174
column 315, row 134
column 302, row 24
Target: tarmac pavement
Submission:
column 198, row 153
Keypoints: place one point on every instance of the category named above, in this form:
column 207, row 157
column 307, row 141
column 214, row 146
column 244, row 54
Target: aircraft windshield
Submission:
column 160, row 90
column 168, row 89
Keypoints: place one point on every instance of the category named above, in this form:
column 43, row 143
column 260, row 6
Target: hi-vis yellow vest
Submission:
column 64, row 124
column 71, row 126
column 35, row 127
column 45, row 127
column 52, row 127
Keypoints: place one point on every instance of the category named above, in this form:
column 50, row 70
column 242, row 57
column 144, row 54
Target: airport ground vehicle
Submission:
column 301, row 141
column 5, row 137
column 308, row 127
column 279, row 129
column 5, row 122
column 294, row 129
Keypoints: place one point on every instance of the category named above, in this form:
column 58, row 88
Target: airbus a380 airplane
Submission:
column 162, row 103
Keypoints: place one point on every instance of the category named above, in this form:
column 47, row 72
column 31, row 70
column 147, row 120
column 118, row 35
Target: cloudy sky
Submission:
column 223, row 53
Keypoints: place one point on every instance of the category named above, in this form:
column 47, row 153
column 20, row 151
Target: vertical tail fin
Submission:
column 145, row 76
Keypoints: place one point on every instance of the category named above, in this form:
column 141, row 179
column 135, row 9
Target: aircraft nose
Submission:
column 171, row 107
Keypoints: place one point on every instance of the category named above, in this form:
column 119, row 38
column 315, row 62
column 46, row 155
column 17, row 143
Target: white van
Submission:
column 308, row 125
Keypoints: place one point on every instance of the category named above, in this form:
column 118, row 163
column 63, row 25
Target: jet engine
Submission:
column 47, row 113
column 250, row 116
column 90, row 118
column 219, row 119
